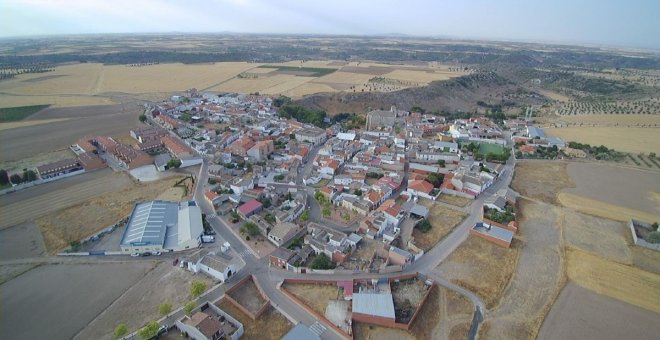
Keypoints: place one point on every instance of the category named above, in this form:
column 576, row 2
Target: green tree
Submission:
column 249, row 228
column 269, row 218
column 188, row 308
column 164, row 309
column 424, row 226
column 278, row 178
column 326, row 211
column 435, row 179
column 143, row 118
column 149, row 331
column 121, row 330
column 653, row 237
column 266, row 203
column 322, row 261
column 234, row 216
column 292, row 136
column 304, row 217
column 197, row 288
column 16, row 179
column 654, row 226
column 441, row 163
column 173, row 163
column 357, row 192
column 4, row 177
column 29, row 175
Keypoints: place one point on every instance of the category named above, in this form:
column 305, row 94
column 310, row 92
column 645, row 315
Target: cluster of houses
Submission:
column 500, row 232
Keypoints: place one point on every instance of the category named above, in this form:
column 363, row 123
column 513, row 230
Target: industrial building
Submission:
column 162, row 226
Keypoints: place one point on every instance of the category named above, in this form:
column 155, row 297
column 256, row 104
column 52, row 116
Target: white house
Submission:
column 218, row 266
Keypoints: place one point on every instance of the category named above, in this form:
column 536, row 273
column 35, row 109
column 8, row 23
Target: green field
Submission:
column 13, row 114
column 315, row 71
column 485, row 148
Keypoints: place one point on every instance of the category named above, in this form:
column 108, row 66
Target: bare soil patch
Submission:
column 315, row 295
column 541, row 180
column 84, row 219
column 21, row 241
column 443, row 220
column 605, row 182
column 271, row 320
column 57, row 301
column 248, row 296
column 139, row 304
column 580, row 313
column 10, row 271
column 454, row 200
column 600, row 236
column 482, row 267
column 537, row 279
column 646, row 259
column 619, row 281
column 42, row 158
column 602, row 209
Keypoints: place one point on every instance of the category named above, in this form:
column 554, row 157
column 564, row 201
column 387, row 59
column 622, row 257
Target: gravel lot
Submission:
column 57, row 301
column 580, row 313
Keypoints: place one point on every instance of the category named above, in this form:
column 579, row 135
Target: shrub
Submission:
column 250, row 228
column 188, row 308
column 149, row 330
column 121, row 330
column 165, row 309
column 322, row 261
column 424, row 226
column 197, row 288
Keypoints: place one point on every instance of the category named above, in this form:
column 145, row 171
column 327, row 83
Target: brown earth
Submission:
column 248, row 296
column 541, row 180
column 315, row 296
column 454, row 200
column 271, row 320
column 443, row 220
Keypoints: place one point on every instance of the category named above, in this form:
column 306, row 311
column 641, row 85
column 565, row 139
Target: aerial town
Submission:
column 296, row 170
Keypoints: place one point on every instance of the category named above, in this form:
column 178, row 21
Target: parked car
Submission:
column 175, row 262
column 135, row 254
column 162, row 330
column 156, row 253
column 145, row 254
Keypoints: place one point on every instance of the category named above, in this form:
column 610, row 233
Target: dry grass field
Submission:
column 418, row 76
column 79, row 221
column 622, row 282
column 34, row 202
column 596, row 181
column 580, row 231
column 271, row 320
column 635, row 140
column 602, row 119
column 13, row 125
column 602, row 209
column 13, row 100
column 454, row 200
column 443, row 221
column 482, row 267
column 541, row 180
column 315, row 296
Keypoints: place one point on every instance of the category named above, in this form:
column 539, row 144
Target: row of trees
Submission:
column 151, row 329
column 302, row 114
column 28, row 176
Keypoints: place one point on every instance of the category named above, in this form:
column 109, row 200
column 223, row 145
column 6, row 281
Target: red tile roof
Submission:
column 421, row 186
column 249, row 206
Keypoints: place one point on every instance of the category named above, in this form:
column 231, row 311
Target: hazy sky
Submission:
column 633, row 23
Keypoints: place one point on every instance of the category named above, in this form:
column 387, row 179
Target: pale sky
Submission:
column 633, row 23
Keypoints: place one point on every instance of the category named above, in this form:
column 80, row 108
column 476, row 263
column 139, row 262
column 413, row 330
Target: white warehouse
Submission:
column 163, row 226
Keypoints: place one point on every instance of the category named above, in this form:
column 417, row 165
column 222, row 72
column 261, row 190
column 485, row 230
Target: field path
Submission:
column 538, row 278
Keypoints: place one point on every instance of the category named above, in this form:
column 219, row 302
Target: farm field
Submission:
column 602, row 209
column 21, row 241
column 623, row 282
column 271, row 319
column 580, row 313
column 12, row 114
column 594, row 181
column 537, row 278
column 635, row 140
column 580, row 231
column 28, row 141
column 541, row 180
column 42, row 158
column 57, row 301
column 34, row 202
column 173, row 287
column 61, row 227
column 601, row 119
column 443, row 220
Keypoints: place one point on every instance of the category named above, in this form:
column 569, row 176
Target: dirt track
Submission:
column 33, row 202
column 582, row 314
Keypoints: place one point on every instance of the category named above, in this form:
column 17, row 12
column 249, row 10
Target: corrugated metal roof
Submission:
column 148, row 223
column 374, row 304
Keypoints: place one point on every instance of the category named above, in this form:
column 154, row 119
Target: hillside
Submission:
column 458, row 94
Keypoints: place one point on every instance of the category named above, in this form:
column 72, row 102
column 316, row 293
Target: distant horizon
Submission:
column 632, row 24
column 469, row 39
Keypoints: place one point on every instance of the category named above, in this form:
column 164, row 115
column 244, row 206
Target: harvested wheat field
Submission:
column 77, row 222
column 541, row 180
column 580, row 231
column 276, row 324
column 482, row 267
column 10, row 100
column 602, row 119
column 445, row 315
column 619, row 281
column 602, row 209
column 314, row 295
column 13, row 125
column 624, row 139
column 418, row 76
column 443, row 220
